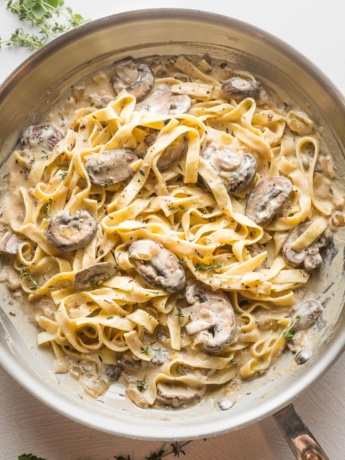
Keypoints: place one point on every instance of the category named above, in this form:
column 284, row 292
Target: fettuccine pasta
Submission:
column 161, row 219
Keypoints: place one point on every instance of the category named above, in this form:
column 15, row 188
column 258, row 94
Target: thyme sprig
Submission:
column 29, row 457
column 175, row 448
column 289, row 332
column 44, row 15
column 25, row 273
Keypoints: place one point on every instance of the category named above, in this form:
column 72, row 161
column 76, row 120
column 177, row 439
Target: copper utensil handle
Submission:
column 303, row 444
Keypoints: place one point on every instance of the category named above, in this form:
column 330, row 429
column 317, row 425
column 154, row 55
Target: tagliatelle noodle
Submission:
column 188, row 210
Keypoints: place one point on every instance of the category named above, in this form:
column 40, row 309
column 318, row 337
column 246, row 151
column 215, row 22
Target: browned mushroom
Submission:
column 164, row 102
column 113, row 372
column 44, row 136
column 267, row 198
column 212, row 318
column 94, row 275
column 136, row 79
column 306, row 315
column 236, row 170
column 310, row 257
column 178, row 394
column 130, row 361
column 111, row 167
column 67, row 232
column 172, row 153
column 157, row 266
column 239, row 88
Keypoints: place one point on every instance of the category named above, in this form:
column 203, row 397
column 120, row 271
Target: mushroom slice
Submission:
column 212, row 318
column 267, row 198
column 177, row 394
column 94, row 275
column 164, row 102
column 172, row 153
column 67, row 232
column 157, row 266
column 236, row 170
column 239, row 88
column 136, row 79
column 113, row 372
column 44, row 136
column 306, row 315
column 111, row 167
column 9, row 244
column 128, row 360
column 309, row 257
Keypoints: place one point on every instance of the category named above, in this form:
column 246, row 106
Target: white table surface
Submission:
column 316, row 29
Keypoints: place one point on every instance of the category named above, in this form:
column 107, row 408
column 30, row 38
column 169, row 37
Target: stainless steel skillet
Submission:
column 27, row 95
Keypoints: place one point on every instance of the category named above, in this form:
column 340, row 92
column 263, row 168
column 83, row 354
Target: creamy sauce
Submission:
column 143, row 361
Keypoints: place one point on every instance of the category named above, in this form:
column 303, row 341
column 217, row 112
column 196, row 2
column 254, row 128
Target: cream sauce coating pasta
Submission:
column 181, row 149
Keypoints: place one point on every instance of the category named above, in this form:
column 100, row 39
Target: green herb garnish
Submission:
column 180, row 313
column 289, row 332
column 29, row 457
column 25, row 273
column 145, row 351
column 142, row 385
column 45, row 16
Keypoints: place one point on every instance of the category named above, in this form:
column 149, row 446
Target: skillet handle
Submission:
column 300, row 439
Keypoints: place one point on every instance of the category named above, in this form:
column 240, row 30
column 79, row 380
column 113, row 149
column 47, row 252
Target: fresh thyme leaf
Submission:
column 21, row 38
column 63, row 175
column 175, row 448
column 44, row 16
column 289, row 332
column 179, row 313
column 145, row 351
column 142, row 172
column 182, row 261
column 29, row 457
column 156, row 455
column 142, row 385
column 25, row 273
column 171, row 208
column 181, row 207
